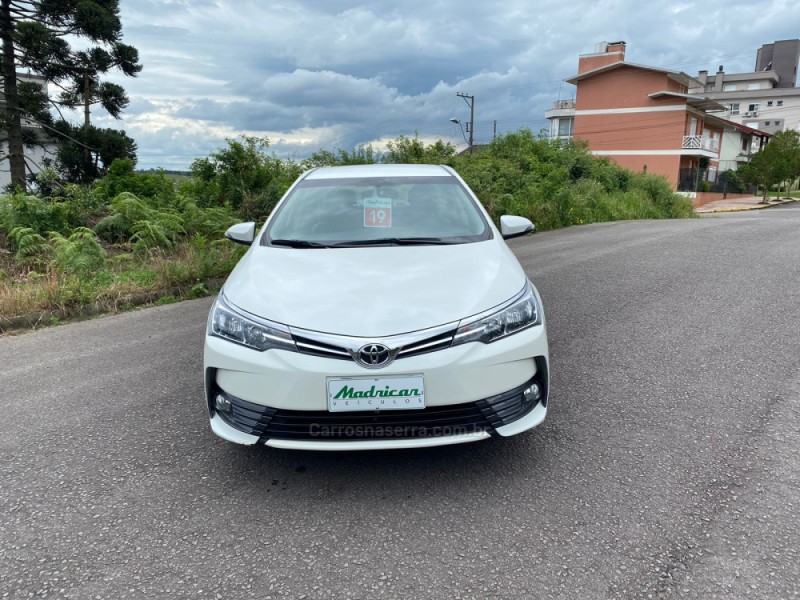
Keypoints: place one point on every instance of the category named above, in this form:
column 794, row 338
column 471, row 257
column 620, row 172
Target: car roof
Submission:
column 391, row 170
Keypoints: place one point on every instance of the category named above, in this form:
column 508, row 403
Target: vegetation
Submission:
column 777, row 163
column 36, row 36
column 107, row 145
column 242, row 176
column 147, row 234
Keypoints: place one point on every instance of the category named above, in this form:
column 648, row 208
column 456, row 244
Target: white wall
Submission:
column 731, row 148
column 34, row 157
column 780, row 118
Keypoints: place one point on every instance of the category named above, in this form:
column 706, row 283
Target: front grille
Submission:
column 435, row 421
column 429, row 422
column 316, row 348
column 340, row 347
column 432, row 344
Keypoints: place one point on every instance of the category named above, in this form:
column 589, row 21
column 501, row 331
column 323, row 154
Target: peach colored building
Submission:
column 643, row 118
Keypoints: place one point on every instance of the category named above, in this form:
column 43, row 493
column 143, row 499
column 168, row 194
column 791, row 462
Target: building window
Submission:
column 780, row 102
column 565, row 127
column 766, row 123
column 753, row 107
column 777, row 123
column 753, row 86
column 769, row 103
column 734, row 109
column 746, row 143
column 729, row 87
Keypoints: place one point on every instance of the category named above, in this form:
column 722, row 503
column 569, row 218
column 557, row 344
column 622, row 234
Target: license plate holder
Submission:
column 393, row 392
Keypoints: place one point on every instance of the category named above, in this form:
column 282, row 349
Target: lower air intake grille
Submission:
column 435, row 421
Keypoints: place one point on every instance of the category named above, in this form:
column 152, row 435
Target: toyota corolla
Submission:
column 378, row 307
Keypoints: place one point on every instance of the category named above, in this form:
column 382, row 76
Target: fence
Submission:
column 726, row 182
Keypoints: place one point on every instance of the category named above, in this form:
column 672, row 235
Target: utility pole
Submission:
column 87, row 92
column 470, row 100
column 494, row 130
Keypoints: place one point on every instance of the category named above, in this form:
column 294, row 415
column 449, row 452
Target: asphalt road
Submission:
column 669, row 465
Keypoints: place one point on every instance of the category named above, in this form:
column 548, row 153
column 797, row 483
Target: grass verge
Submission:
column 30, row 299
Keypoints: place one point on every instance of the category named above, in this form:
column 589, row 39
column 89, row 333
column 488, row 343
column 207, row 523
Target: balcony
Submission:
column 561, row 104
column 699, row 142
column 561, row 108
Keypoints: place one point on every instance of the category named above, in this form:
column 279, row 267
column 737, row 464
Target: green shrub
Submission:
column 32, row 212
column 199, row 290
column 161, row 231
column 79, row 254
column 558, row 184
column 242, row 176
column 127, row 209
column 121, row 178
column 30, row 248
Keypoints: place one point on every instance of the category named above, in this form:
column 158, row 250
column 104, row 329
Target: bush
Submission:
column 31, row 212
column 30, row 248
column 127, row 209
column 79, row 254
column 162, row 231
column 121, row 178
column 243, row 177
column 558, row 184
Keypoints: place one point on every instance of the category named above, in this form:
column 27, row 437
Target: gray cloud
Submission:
column 316, row 75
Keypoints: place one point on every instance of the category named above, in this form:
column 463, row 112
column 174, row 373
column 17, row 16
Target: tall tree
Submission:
column 34, row 36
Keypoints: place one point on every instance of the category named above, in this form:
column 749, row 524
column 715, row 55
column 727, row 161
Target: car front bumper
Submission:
column 473, row 391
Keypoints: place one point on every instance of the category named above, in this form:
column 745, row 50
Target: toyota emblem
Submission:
column 374, row 356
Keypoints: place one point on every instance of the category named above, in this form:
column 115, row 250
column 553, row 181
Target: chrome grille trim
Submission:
column 342, row 347
column 317, row 348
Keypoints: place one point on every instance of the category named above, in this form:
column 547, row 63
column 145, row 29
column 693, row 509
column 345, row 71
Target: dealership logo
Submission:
column 347, row 392
column 374, row 356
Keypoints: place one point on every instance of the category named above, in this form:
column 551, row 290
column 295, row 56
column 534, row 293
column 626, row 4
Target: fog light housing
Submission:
column 222, row 404
column 533, row 393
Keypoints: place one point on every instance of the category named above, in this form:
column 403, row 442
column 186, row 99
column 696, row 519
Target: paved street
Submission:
column 669, row 465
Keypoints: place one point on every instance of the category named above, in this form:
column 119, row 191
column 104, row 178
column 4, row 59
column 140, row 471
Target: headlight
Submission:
column 519, row 313
column 230, row 324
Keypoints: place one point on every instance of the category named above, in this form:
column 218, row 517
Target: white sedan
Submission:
column 378, row 307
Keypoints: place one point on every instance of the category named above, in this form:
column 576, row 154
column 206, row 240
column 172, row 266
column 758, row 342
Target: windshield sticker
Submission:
column 377, row 212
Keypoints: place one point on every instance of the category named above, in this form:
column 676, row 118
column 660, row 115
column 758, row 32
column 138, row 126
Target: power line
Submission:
column 56, row 131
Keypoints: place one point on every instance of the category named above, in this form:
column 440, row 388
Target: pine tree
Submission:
column 34, row 36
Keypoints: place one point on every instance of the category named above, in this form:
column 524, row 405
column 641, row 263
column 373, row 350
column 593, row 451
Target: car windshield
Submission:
column 363, row 211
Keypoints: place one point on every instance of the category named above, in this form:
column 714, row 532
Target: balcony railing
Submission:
column 563, row 104
column 698, row 142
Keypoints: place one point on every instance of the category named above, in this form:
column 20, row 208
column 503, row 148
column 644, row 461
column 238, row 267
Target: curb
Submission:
column 744, row 208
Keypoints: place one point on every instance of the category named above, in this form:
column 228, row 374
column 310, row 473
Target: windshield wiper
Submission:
column 298, row 244
column 395, row 241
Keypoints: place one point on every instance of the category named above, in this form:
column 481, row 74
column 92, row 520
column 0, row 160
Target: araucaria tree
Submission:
column 35, row 34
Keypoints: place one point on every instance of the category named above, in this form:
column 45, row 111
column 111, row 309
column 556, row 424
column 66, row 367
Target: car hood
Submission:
column 374, row 291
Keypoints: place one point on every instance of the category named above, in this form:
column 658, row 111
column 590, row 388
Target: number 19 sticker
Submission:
column 377, row 212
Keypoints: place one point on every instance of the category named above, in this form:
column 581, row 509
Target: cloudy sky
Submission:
column 337, row 73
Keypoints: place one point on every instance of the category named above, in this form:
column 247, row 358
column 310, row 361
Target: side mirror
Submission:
column 511, row 226
column 242, row 233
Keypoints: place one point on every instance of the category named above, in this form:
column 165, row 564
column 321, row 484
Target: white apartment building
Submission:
column 767, row 98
